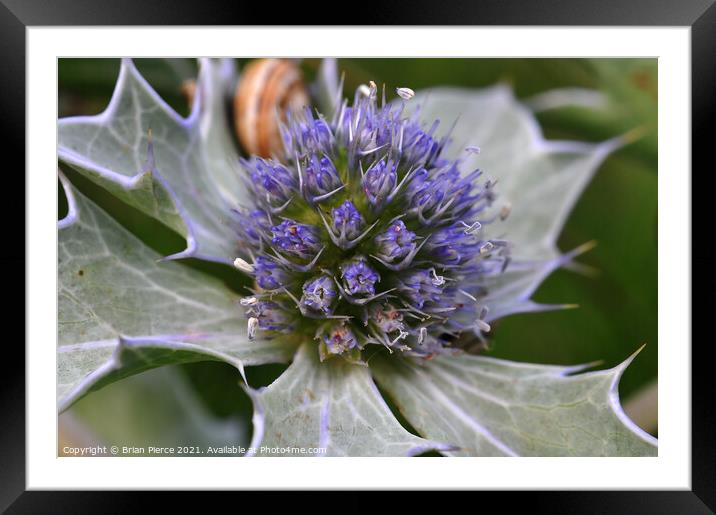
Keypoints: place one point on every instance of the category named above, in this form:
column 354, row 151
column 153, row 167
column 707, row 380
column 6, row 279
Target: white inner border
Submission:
column 672, row 469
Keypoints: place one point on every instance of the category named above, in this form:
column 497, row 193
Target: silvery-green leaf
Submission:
column 492, row 407
column 123, row 310
column 158, row 408
column 539, row 180
column 190, row 182
column 333, row 405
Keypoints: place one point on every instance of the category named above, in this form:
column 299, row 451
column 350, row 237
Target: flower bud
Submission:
column 379, row 181
column 339, row 339
column 386, row 317
column 320, row 177
column 396, row 242
column 271, row 181
column 269, row 274
column 269, row 316
column 358, row 278
column 305, row 134
column 347, row 221
column 297, row 239
column 420, row 286
column 319, row 295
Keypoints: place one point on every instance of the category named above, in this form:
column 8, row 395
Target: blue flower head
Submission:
column 362, row 233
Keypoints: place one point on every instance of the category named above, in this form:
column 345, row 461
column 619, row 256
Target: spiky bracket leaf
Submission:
column 333, row 406
column 540, row 179
column 123, row 310
column 191, row 182
column 492, row 407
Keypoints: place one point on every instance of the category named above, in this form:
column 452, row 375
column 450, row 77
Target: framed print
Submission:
column 346, row 261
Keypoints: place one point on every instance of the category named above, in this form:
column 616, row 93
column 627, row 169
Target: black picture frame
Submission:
column 700, row 15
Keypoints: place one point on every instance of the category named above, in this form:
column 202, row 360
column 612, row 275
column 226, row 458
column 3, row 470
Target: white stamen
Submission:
column 253, row 324
column 405, row 93
column 472, row 149
column 400, row 336
column 483, row 326
column 471, row 229
column 438, row 280
column 243, row 266
column 505, row 211
column 364, row 90
column 486, row 247
column 249, row 301
column 422, row 335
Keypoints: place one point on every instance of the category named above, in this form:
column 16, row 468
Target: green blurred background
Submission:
column 618, row 297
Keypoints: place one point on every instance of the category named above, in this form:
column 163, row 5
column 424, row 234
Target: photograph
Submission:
column 380, row 257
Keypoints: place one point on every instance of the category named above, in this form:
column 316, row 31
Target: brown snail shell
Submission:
column 266, row 90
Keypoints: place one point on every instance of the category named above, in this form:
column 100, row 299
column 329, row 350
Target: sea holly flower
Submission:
column 404, row 201
column 372, row 247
